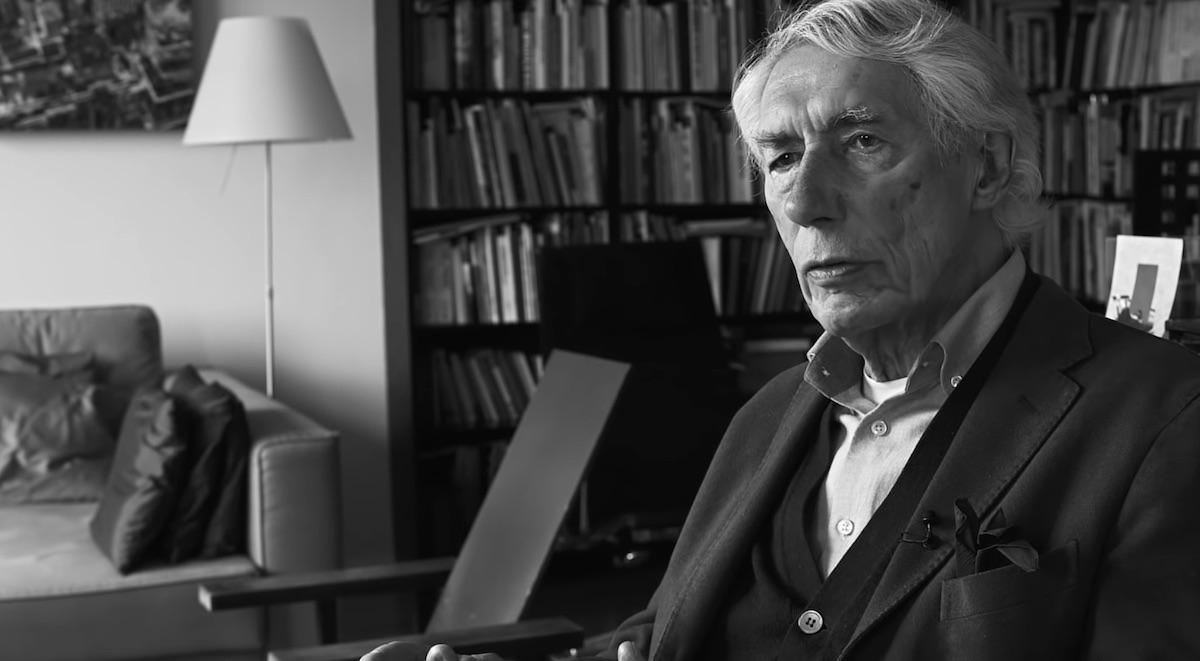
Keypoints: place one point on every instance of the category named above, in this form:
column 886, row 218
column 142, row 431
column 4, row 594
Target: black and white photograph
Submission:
column 95, row 64
column 599, row 330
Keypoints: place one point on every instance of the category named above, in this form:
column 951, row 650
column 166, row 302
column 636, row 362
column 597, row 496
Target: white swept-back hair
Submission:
column 965, row 86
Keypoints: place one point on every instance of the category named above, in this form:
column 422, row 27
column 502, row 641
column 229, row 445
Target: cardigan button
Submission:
column 811, row 621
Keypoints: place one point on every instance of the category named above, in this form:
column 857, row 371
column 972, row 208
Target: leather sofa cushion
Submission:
column 64, row 364
column 54, row 443
column 125, row 341
column 61, row 599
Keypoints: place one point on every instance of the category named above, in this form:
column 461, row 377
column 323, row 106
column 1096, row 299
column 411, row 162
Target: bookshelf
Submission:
column 531, row 125
column 1113, row 81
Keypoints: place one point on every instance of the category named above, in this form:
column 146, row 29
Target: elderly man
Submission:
column 970, row 465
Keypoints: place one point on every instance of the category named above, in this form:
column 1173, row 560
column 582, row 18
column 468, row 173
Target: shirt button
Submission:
column 845, row 527
column 954, row 381
column 811, row 621
column 879, row 428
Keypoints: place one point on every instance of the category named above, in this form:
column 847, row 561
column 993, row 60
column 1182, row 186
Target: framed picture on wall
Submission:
column 95, row 64
column 1145, row 276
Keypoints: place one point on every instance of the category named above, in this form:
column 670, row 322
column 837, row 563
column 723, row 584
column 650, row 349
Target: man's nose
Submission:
column 810, row 197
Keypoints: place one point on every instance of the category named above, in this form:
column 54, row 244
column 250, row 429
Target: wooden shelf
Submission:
column 697, row 211
column 1116, row 92
column 1057, row 197
column 491, row 334
column 445, row 441
column 468, row 95
column 424, row 217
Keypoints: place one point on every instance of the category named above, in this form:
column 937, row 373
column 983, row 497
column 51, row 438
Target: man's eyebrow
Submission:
column 856, row 116
column 774, row 140
column 780, row 139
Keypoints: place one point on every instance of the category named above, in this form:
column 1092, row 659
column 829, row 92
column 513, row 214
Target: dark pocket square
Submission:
column 982, row 546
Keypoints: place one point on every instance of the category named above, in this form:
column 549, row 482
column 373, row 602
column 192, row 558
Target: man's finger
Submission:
column 396, row 651
column 445, row 653
column 629, row 652
column 441, row 653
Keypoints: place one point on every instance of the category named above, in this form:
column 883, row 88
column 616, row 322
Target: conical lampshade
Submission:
column 265, row 82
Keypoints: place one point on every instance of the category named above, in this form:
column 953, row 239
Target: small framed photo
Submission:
column 1145, row 277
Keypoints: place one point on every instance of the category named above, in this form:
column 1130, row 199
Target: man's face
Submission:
column 876, row 224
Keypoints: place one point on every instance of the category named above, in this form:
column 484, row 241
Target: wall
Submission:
column 97, row 218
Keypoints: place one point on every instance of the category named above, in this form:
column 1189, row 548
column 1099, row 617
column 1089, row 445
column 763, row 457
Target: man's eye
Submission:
column 784, row 160
column 864, row 141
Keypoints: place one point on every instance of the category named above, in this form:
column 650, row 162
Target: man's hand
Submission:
column 629, row 652
column 412, row 652
column 401, row 651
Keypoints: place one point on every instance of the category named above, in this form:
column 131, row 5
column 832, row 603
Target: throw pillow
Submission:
column 54, row 445
column 148, row 472
column 226, row 531
column 215, row 422
column 64, row 364
column 110, row 401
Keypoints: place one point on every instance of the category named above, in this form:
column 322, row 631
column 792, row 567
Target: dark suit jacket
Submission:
column 1087, row 434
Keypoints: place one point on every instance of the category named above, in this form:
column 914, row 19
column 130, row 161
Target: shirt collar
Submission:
column 970, row 329
column 835, row 370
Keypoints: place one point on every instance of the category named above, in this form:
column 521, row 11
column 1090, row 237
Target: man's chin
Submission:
column 844, row 322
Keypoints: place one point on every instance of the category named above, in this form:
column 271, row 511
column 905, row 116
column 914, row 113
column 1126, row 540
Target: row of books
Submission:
column 749, row 269
column 1027, row 32
column 1089, row 144
column 1131, row 43
column 482, row 388
column 511, row 45
column 1077, row 244
column 508, row 152
column 483, row 271
column 693, row 45
column 681, row 151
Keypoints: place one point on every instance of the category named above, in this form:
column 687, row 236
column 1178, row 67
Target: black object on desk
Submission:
column 649, row 305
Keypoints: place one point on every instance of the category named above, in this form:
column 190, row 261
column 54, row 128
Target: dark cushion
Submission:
column 226, row 531
column 54, row 445
column 216, row 423
column 148, row 472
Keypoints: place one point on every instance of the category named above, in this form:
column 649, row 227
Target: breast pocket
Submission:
column 1009, row 586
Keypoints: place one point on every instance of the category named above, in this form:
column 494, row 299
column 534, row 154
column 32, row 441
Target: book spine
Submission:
column 483, row 389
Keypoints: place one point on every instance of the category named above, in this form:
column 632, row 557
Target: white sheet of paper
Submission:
column 1166, row 254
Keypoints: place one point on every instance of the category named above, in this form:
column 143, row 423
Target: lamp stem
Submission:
column 270, row 278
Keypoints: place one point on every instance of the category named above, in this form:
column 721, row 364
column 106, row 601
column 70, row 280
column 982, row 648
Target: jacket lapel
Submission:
column 681, row 633
column 1018, row 407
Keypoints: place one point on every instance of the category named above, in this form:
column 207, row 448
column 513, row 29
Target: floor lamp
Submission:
column 264, row 83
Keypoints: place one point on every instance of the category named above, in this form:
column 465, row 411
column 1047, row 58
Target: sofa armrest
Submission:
column 315, row 586
column 295, row 492
column 521, row 640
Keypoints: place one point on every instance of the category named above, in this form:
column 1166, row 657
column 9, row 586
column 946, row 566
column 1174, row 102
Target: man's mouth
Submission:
column 831, row 269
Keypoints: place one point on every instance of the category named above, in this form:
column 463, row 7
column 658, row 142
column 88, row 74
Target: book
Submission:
column 483, row 390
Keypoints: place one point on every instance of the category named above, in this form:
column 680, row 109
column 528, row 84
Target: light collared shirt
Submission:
column 881, row 422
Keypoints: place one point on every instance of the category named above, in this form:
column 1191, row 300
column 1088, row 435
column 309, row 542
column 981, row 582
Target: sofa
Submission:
column 61, row 599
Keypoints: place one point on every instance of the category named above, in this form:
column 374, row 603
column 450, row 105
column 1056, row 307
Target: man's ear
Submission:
column 995, row 170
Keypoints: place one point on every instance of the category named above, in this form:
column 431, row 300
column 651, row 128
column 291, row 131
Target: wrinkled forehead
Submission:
column 825, row 87
column 828, row 84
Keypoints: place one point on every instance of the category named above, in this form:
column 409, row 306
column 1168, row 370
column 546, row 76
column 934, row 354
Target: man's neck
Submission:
column 890, row 351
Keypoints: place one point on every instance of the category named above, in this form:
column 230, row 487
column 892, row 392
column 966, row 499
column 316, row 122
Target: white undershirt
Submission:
column 881, row 391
